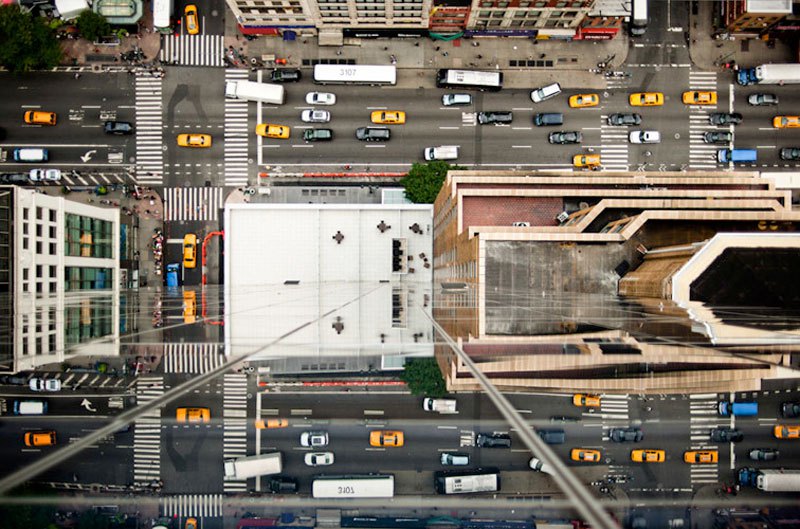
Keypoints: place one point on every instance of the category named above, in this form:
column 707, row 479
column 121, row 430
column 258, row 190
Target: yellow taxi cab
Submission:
column 648, row 456
column 189, row 250
column 783, row 431
column 40, row 438
column 591, row 401
column 263, row 424
column 592, row 161
column 38, row 117
column 388, row 117
column 386, row 438
column 193, row 415
column 267, row 130
column 194, row 140
column 701, row 456
column 585, row 455
column 584, row 100
column 786, row 122
column 696, row 97
column 189, row 306
column 192, row 26
column 646, row 99
column 191, row 523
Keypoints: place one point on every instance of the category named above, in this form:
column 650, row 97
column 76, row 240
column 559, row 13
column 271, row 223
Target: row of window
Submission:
column 88, row 237
column 527, row 14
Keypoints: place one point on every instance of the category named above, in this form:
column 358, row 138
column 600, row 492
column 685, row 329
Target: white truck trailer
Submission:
column 250, row 467
column 273, row 94
column 770, row 74
column 439, row 405
column 771, row 480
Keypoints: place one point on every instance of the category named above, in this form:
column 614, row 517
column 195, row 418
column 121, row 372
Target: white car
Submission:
column 40, row 175
column 319, row 459
column 645, row 136
column 315, row 116
column 314, row 439
column 41, row 384
column 320, row 98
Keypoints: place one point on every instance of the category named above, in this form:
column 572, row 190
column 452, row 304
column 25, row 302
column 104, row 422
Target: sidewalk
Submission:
column 707, row 53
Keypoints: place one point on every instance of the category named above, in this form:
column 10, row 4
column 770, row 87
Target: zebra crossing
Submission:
column 234, row 433
column 147, row 432
column 192, row 357
column 701, row 155
column 194, row 505
column 613, row 146
column 614, row 407
column 193, row 50
column 192, row 203
column 702, row 419
column 236, row 135
column 149, row 131
column 469, row 119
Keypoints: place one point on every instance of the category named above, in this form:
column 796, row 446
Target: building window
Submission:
column 88, row 237
column 39, row 213
column 52, row 215
column 24, row 213
column 84, row 278
column 52, row 232
column 53, row 249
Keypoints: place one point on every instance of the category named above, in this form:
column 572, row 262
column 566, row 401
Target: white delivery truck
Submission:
column 264, row 92
column 770, row 74
column 444, row 152
column 250, row 467
column 771, row 480
column 439, row 405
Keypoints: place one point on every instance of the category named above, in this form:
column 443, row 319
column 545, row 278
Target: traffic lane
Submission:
column 71, row 404
column 186, row 453
column 67, row 157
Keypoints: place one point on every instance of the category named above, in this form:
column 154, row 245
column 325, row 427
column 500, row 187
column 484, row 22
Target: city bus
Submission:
column 479, row 480
column 474, row 79
column 639, row 19
column 355, row 74
column 366, row 486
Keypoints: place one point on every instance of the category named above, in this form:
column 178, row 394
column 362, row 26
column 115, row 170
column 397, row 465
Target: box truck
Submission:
column 439, row 405
column 771, row 480
column 770, row 74
column 250, row 467
column 264, row 92
column 738, row 409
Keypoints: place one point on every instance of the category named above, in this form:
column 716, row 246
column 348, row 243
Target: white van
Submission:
column 443, row 152
column 30, row 407
column 449, row 100
column 31, row 155
column 545, row 92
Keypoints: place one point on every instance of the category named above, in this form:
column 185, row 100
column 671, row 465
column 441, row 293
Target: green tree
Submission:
column 26, row 43
column 422, row 376
column 92, row 26
column 424, row 180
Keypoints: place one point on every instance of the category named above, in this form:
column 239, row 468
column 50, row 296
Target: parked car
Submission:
column 764, row 454
column 42, row 384
column 315, row 116
column 314, row 439
column 790, row 153
column 719, row 137
column 493, row 440
column 495, row 118
column 759, row 99
column 318, row 459
column 285, row 75
column 725, row 434
column 626, row 435
column 626, row 118
column 13, row 380
column 565, row 137
column 320, row 98
column 14, row 178
column 45, row 175
column 725, row 118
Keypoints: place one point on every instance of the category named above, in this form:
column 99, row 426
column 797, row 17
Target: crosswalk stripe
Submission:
column 191, row 505
column 234, row 434
column 149, row 131
column 236, row 136
column 193, row 50
column 147, row 432
column 192, row 203
column 191, row 357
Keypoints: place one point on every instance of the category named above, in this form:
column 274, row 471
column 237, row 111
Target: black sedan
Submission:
column 725, row 118
column 790, row 153
column 626, row 435
column 565, row 137
column 719, row 137
column 627, row 118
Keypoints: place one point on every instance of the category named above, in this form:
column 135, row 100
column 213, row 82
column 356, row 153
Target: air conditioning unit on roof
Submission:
column 562, row 217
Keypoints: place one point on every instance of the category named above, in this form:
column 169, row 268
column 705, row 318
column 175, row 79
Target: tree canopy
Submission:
column 423, row 377
column 424, row 180
column 92, row 26
column 26, row 43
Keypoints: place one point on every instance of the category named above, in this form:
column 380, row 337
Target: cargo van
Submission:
column 31, row 155
column 444, row 152
column 548, row 119
column 449, row 100
column 736, row 155
column 739, row 409
column 30, row 407
column 545, row 92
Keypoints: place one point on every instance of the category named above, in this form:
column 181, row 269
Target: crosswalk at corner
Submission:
column 701, row 155
column 703, row 418
column 192, row 357
column 614, row 407
column 234, row 433
column 193, row 50
column 191, row 505
column 613, row 146
column 192, row 203
column 147, row 432
column 149, row 131
column 236, row 135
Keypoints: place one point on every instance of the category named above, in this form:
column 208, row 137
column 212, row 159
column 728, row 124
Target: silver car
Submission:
column 314, row 439
column 315, row 116
column 645, row 136
column 320, row 98
column 42, row 384
column 319, row 459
